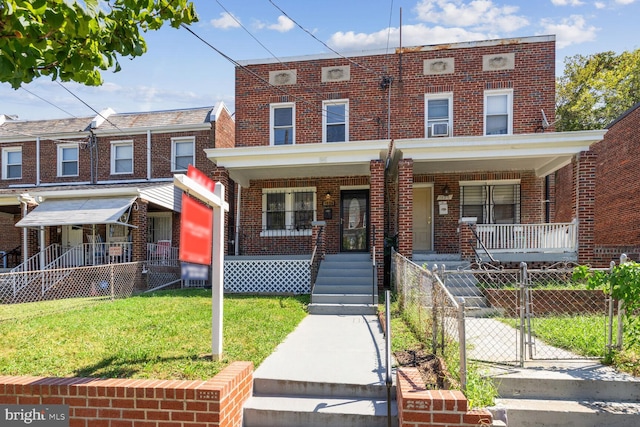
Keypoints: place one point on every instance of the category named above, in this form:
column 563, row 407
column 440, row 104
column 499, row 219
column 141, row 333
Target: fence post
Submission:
column 621, row 309
column 434, row 315
column 111, row 281
column 522, row 302
column 462, row 336
column 612, row 265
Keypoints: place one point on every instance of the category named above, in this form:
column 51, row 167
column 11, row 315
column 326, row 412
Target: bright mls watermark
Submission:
column 34, row 415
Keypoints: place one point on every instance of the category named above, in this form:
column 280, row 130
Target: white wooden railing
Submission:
column 551, row 237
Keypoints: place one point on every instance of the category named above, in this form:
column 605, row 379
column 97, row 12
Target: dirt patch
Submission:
column 431, row 368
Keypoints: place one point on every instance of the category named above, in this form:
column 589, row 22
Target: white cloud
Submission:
column 599, row 5
column 412, row 35
column 226, row 21
column 284, row 24
column 625, row 2
column 479, row 15
column 569, row 31
column 567, row 2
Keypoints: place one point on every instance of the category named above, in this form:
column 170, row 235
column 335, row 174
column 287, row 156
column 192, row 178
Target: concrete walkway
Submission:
column 331, row 349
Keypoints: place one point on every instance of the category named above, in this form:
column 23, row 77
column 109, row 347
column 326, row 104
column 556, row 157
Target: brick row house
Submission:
column 438, row 149
column 100, row 187
column 616, row 222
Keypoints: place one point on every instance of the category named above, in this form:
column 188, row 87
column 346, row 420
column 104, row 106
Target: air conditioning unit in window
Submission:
column 440, row 129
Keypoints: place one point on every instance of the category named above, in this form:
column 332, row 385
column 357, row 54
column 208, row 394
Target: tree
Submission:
column 596, row 89
column 72, row 40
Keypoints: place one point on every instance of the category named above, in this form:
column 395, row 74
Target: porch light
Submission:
column 445, row 190
column 327, row 196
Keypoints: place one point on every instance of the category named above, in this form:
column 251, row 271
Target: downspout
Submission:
column 237, row 237
column 148, row 154
column 37, row 161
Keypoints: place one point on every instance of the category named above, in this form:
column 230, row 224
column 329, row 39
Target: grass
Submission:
column 164, row 335
column 584, row 335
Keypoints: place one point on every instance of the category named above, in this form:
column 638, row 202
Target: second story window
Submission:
column 335, row 121
column 439, row 115
column 68, row 160
column 498, row 107
column 121, row 157
column 182, row 153
column 12, row 163
column 282, row 124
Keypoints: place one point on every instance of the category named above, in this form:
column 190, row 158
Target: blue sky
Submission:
column 180, row 71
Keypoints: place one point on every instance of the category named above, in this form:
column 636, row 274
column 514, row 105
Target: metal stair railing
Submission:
column 20, row 280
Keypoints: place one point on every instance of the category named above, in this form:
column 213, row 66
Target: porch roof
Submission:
column 299, row 161
column 543, row 152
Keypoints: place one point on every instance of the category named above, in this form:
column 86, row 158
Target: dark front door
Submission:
column 354, row 219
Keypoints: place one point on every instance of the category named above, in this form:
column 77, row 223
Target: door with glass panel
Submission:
column 354, row 220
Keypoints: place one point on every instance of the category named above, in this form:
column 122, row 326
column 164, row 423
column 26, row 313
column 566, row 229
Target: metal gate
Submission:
column 510, row 312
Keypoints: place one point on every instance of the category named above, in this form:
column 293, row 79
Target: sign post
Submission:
column 194, row 243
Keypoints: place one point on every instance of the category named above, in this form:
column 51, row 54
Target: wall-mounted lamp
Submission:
column 327, row 200
column 445, row 190
column 327, row 196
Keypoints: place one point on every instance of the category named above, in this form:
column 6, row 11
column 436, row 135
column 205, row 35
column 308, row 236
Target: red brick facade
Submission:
column 609, row 191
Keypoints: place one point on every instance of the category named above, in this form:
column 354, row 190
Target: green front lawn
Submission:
column 164, row 335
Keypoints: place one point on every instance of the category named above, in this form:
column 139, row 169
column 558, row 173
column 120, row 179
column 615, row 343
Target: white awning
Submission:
column 54, row 212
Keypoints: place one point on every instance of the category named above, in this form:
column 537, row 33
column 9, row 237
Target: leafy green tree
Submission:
column 596, row 89
column 72, row 40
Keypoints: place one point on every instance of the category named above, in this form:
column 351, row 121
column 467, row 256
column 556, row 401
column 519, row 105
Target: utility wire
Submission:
column 324, row 44
column 389, row 25
column 47, row 101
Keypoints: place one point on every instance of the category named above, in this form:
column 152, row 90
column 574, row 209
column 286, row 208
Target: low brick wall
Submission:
column 97, row 402
column 550, row 301
column 419, row 407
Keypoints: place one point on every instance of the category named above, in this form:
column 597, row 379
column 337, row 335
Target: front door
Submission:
column 354, row 219
column 72, row 240
column 422, row 219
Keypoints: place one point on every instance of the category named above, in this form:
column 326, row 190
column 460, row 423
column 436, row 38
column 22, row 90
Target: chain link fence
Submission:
column 509, row 313
column 430, row 309
column 35, row 293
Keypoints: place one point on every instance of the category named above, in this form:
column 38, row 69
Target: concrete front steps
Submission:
column 460, row 285
column 582, row 394
column 344, row 285
column 294, row 404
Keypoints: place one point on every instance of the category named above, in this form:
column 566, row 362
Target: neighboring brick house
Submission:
column 617, row 186
column 107, row 178
column 414, row 145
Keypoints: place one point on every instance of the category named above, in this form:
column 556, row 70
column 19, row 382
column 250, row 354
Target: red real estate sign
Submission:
column 196, row 224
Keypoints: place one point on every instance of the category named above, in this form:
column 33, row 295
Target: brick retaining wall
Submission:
column 111, row 402
column 419, row 407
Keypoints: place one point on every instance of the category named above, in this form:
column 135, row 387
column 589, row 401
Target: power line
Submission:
column 323, row 43
column 48, row 102
column 389, row 25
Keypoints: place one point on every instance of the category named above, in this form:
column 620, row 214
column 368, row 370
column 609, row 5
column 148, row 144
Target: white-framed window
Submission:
column 68, row 160
column 121, row 157
column 288, row 211
column 438, row 114
column 12, row 163
column 335, row 120
column 158, row 226
column 282, row 123
column 498, row 112
column 182, row 153
column 491, row 202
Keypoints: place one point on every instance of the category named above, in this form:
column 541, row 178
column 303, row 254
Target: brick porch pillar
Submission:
column 467, row 239
column 376, row 196
column 221, row 175
column 405, row 207
column 584, row 169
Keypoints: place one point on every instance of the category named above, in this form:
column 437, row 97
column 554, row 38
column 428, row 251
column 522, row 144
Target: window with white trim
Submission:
column 335, row 120
column 438, row 114
column 491, row 202
column 12, row 163
column 498, row 108
column 182, row 153
column 68, row 160
column 282, row 124
column 121, row 157
column 288, row 211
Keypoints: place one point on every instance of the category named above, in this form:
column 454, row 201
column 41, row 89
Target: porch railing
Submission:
column 548, row 237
